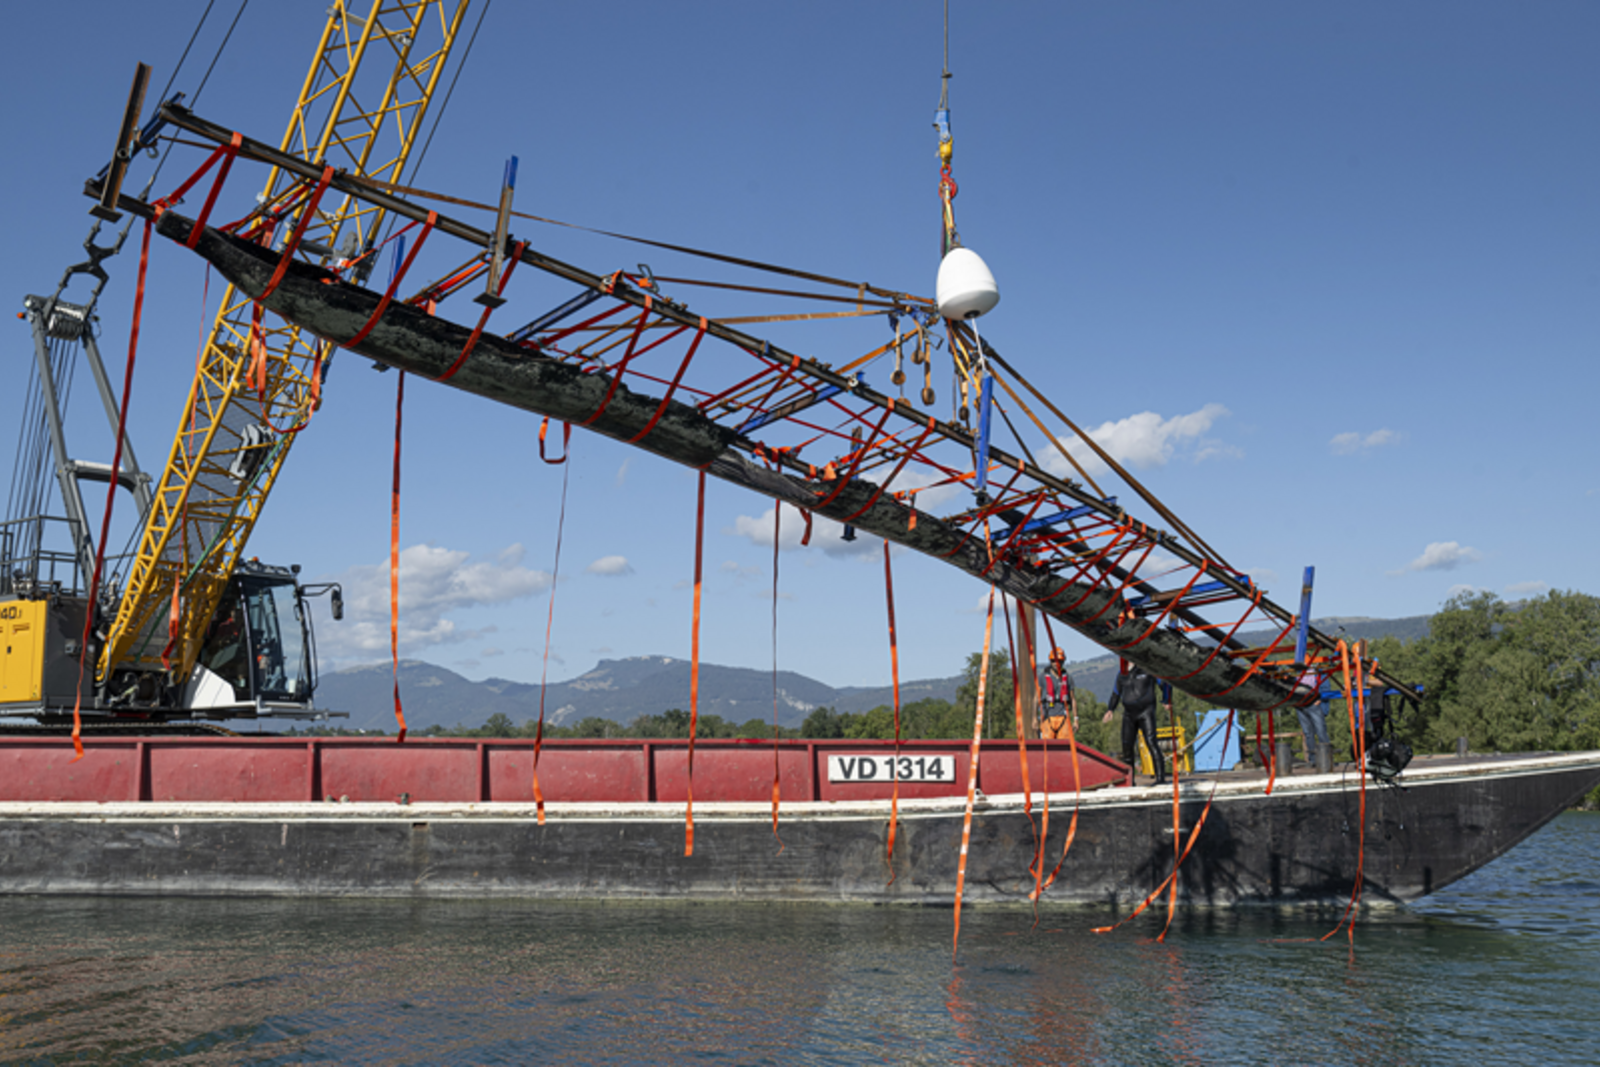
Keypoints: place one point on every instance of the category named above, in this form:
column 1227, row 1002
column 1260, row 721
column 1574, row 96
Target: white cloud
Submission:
column 741, row 573
column 622, row 471
column 1262, row 576
column 1145, row 440
column 610, row 566
column 491, row 652
column 1442, row 556
column 1348, row 444
column 1526, row 588
column 434, row 583
column 1458, row 590
column 825, row 533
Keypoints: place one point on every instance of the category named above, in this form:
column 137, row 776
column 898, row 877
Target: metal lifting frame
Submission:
column 1063, row 547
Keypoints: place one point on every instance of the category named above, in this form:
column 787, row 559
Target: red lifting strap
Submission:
column 472, row 342
column 694, row 662
column 399, row 275
column 661, row 409
column 111, row 493
column 621, row 366
column 894, row 671
column 307, row 212
column 394, row 557
column 230, row 152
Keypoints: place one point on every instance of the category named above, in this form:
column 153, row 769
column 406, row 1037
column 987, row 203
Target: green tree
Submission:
column 823, row 723
column 998, row 712
column 498, row 725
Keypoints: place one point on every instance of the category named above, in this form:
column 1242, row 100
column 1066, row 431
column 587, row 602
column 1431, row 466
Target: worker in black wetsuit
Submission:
column 1136, row 690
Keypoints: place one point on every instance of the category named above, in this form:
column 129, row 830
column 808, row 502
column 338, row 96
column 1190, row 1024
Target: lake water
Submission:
column 1501, row 968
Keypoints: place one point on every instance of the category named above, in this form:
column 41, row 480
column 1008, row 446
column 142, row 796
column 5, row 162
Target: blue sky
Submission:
column 1326, row 276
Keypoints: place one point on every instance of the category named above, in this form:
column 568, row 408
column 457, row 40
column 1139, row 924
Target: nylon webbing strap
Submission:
column 111, row 494
column 777, row 529
column 1077, row 782
column 230, row 152
column 972, row 773
column 1356, row 712
column 1188, row 846
column 483, row 319
column 394, row 283
column 394, row 556
column 307, row 212
column 694, row 661
column 894, row 672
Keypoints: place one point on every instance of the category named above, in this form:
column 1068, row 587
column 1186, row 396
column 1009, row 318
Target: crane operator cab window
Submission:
column 258, row 643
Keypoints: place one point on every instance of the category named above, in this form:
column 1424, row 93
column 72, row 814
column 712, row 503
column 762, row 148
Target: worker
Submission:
column 1313, row 716
column 1059, row 699
column 1136, row 690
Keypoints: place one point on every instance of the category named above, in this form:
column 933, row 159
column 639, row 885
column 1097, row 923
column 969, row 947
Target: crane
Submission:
column 360, row 110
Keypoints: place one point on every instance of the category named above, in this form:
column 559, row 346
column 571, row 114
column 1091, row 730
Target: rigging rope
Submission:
column 550, row 618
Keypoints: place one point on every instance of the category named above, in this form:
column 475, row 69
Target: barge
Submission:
column 454, row 818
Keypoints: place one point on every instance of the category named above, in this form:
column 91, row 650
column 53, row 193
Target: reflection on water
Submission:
column 1496, row 969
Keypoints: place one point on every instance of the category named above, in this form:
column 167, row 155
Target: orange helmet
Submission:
column 1057, row 656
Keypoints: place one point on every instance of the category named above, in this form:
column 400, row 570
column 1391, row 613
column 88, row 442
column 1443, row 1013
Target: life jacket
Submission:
column 1057, row 692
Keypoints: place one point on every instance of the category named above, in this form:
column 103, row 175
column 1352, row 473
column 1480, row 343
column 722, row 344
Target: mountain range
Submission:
column 623, row 689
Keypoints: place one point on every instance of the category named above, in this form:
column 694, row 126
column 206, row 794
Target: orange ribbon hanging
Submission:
column 1188, row 845
column 1356, row 712
column 394, row 556
column 1177, row 827
column 894, row 673
column 694, row 662
column 777, row 529
column 1077, row 787
column 972, row 773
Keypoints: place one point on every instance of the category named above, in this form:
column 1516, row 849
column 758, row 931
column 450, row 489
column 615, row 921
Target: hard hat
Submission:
column 965, row 288
column 1056, row 653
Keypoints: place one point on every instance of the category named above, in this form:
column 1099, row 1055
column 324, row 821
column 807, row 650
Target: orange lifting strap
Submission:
column 777, row 731
column 694, row 661
column 394, row 557
column 972, row 774
column 894, row 673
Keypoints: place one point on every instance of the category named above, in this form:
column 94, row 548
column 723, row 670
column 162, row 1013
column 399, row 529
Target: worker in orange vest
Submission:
column 1059, row 699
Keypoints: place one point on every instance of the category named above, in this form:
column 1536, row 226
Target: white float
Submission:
column 965, row 288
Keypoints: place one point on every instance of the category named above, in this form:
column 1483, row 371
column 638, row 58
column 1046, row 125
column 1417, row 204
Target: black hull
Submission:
column 1297, row 846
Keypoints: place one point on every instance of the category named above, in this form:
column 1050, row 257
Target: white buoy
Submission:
column 965, row 288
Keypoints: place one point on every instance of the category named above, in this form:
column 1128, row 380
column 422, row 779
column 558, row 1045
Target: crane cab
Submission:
column 259, row 655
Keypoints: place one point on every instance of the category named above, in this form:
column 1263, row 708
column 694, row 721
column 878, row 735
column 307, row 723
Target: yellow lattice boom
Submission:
column 360, row 110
